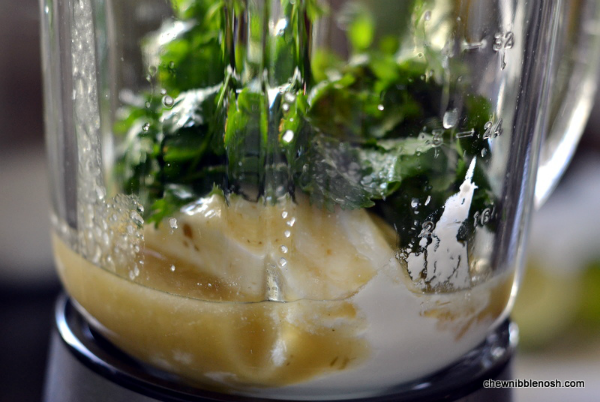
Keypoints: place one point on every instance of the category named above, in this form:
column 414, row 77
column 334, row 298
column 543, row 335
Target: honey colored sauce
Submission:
column 217, row 345
column 460, row 317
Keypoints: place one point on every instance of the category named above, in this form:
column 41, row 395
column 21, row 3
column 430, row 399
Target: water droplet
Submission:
column 136, row 271
column 284, row 214
column 291, row 222
column 285, row 107
column 283, row 249
column 380, row 107
column 287, row 233
column 148, row 105
column 152, row 70
column 163, row 91
column 419, row 54
column 288, row 136
column 172, row 64
column 414, row 203
column 484, row 152
column 173, row 223
column 168, row 101
column 427, row 15
column 172, row 268
column 450, row 118
column 428, row 200
column 101, row 192
column 136, row 217
column 290, row 97
column 282, row 262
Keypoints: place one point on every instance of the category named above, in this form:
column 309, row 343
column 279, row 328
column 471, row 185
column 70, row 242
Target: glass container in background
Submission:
column 302, row 198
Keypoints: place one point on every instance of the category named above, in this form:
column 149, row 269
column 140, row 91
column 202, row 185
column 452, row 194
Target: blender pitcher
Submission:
column 300, row 199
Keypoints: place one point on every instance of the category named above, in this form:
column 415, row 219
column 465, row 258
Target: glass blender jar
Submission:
column 301, row 199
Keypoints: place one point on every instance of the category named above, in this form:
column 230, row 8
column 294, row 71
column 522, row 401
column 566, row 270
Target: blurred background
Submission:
column 558, row 310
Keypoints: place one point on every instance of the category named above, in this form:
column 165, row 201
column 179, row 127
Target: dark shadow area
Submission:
column 26, row 318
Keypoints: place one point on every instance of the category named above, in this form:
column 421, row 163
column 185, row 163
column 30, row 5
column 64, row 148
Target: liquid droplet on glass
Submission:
column 427, row 15
column 288, row 136
column 172, row 268
column 450, row 118
column 136, row 217
column 146, row 127
column 283, row 249
column 414, row 203
column 282, row 262
column 173, row 223
column 168, row 101
column 290, row 97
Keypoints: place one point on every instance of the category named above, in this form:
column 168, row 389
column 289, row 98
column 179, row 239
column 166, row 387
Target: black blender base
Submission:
column 84, row 367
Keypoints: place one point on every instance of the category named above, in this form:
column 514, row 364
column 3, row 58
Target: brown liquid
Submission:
column 449, row 315
column 219, row 345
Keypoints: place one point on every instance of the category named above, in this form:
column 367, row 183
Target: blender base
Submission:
column 85, row 367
